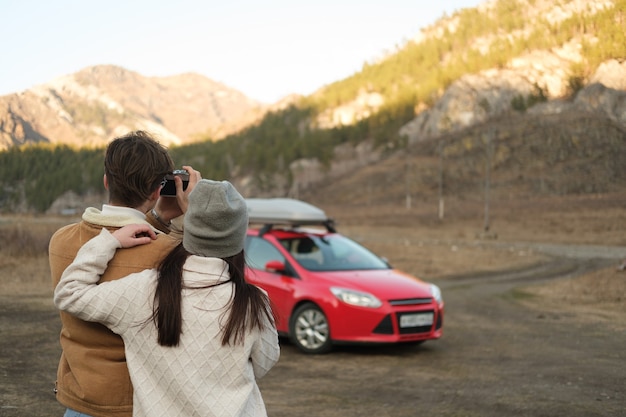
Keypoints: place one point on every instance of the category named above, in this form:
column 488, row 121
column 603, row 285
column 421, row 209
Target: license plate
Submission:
column 416, row 320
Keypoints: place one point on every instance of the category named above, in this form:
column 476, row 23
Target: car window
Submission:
column 259, row 252
column 305, row 251
column 331, row 253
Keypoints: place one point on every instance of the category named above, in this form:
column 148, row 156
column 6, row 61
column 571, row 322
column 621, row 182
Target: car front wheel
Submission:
column 309, row 329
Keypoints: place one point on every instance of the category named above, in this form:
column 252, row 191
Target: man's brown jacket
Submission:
column 92, row 377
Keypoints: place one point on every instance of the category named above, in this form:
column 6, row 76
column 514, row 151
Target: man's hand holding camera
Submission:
column 168, row 207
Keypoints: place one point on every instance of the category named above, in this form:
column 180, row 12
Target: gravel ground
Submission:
column 530, row 330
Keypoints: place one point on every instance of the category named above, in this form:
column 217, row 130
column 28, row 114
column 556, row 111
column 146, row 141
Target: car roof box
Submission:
column 284, row 211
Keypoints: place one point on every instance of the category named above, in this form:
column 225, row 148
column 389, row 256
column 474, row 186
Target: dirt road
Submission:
column 504, row 352
column 498, row 357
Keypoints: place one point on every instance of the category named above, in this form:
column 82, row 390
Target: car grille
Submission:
column 411, row 301
column 439, row 321
column 385, row 326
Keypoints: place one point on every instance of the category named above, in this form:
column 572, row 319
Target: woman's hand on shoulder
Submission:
column 134, row 235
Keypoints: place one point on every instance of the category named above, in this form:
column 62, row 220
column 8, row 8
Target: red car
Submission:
column 327, row 289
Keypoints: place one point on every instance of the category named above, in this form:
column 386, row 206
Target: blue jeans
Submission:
column 72, row 413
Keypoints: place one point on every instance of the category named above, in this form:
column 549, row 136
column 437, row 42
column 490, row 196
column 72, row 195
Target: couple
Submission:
column 195, row 334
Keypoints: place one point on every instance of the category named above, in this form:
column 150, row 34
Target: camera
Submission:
column 169, row 186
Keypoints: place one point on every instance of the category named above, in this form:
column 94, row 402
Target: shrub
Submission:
column 21, row 242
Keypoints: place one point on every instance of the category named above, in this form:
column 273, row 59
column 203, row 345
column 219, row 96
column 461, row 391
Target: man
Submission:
column 92, row 378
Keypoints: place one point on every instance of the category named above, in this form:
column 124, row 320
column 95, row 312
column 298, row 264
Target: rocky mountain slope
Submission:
column 478, row 106
column 533, row 90
column 98, row 103
column 475, row 98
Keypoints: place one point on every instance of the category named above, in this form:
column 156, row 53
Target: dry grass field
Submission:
column 550, row 262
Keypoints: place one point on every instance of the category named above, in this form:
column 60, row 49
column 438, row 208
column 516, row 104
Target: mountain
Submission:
column 92, row 106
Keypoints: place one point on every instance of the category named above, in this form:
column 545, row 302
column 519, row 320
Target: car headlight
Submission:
column 436, row 292
column 356, row 298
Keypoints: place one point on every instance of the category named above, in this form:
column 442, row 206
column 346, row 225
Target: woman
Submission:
column 197, row 336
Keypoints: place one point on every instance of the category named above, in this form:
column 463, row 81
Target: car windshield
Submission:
column 331, row 253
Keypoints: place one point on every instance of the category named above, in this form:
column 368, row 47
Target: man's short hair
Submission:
column 135, row 164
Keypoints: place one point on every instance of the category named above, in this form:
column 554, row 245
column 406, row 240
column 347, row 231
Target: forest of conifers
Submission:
column 415, row 73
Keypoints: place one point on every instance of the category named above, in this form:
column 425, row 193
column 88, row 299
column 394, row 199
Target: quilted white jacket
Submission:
column 200, row 377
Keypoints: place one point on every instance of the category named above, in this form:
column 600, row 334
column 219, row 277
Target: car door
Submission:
column 279, row 286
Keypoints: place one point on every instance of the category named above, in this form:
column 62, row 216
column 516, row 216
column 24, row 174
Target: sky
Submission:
column 265, row 49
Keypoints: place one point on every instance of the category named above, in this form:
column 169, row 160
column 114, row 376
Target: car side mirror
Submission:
column 275, row 266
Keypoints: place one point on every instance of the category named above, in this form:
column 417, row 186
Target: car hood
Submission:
column 389, row 284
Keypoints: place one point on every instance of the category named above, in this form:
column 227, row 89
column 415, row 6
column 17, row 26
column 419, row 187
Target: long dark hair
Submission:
column 248, row 306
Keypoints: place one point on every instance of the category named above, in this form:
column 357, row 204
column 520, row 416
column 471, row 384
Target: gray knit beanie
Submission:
column 216, row 221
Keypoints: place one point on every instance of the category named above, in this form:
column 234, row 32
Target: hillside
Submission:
column 557, row 173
